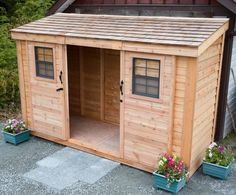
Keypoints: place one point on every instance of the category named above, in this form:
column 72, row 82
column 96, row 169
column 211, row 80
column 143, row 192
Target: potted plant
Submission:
column 171, row 173
column 217, row 161
column 15, row 132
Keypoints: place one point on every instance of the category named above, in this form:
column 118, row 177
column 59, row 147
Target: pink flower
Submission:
column 221, row 149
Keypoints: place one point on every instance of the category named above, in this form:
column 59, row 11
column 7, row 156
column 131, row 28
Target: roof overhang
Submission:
column 163, row 35
column 229, row 4
column 59, row 6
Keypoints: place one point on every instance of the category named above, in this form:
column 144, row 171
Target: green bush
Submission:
column 18, row 12
column 9, row 91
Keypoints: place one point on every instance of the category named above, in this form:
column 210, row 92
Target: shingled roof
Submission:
column 155, row 30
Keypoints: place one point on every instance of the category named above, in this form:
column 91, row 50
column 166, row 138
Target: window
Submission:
column 44, row 62
column 146, row 77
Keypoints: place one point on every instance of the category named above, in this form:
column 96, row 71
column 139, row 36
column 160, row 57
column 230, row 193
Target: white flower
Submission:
column 212, row 145
column 161, row 163
column 210, row 154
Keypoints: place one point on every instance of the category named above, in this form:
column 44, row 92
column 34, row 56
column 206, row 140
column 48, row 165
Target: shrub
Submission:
column 9, row 91
column 172, row 167
column 218, row 154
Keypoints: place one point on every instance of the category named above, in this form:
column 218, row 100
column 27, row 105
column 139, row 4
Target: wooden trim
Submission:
column 216, row 35
column 38, row 38
column 98, row 43
column 172, row 106
column 21, row 82
column 66, row 92
column 110, row 44
column 27, row 46
column 218, row 87
column 81, row 80
column 102, row 84
column 122, row 99
column 190, row 93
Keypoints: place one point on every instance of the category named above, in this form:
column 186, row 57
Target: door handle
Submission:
column 59, row 89
column 60, row 77
column 121, row 87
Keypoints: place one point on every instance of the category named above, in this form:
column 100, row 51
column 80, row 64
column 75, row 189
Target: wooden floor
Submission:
column 95, row 134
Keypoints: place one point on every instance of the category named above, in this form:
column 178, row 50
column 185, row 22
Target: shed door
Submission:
column 46, row 87
column 148, row 104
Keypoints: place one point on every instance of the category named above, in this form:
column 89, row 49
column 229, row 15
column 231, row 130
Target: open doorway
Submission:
column 94, row 97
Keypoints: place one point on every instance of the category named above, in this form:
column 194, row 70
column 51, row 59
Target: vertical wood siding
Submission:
column 147, row 123
column 205, row 102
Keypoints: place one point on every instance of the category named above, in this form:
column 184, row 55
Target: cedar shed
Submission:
column 127, row 88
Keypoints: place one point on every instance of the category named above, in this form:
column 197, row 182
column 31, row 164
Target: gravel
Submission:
column 15, row 161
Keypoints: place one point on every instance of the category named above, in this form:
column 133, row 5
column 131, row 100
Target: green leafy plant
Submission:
column 14, row 126
column 14, row 13
column 219, row 155
column 172, row 167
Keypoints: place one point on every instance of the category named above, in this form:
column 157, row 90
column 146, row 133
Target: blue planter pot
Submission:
column 215, row 170
column 16, row 138
column 160, row 182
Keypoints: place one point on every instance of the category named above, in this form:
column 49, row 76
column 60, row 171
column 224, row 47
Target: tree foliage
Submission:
column 14, row 13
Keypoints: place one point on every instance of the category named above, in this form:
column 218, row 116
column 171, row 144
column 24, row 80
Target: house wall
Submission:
column 231, row 97
column 205, row 106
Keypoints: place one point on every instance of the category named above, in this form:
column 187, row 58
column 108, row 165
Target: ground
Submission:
column 15, row 161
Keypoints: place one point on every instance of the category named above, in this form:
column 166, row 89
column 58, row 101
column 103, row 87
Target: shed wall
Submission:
column 208, row 75
column 148, row 123
column 22, row 55
column 179, row 102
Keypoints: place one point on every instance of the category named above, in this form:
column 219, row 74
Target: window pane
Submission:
column 48, row 51
column 140, row 89
column 42, row 71
column 153, row 73
column 40, row 57
column 153, row 83
column 49, row 73
column 41, row 65
column 153, row 64
column 140, row 71
column 140, row 63
column 48, row 58
column 146, row 77
column 152, row 91
column 141, row 80
column 40, row 50
column 44, row 62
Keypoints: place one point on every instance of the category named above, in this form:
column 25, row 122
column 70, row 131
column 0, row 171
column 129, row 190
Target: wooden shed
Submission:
column 127, row 88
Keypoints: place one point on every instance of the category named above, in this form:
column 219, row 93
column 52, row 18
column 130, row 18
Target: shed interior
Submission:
column 94, row 97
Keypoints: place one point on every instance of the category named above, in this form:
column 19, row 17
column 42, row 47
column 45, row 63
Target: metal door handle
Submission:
column 121, row 87
column 59, row 89
column 60, row 77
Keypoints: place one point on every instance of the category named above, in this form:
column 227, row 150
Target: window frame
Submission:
column 37, row 74
column 134, row 76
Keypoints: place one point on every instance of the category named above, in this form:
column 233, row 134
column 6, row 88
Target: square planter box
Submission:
column 16, row 138
column 216, row 170
column 160, row 182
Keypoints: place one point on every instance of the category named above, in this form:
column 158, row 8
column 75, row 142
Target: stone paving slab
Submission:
column 67, row 166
